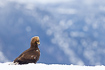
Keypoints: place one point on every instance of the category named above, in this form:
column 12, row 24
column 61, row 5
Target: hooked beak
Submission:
column 38, row 43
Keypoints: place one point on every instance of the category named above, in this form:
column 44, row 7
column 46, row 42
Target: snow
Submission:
column 41, row 66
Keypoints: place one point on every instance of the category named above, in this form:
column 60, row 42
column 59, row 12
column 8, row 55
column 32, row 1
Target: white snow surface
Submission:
column 41, row 66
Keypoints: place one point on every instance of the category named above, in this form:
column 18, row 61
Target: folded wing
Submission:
column 25, row 59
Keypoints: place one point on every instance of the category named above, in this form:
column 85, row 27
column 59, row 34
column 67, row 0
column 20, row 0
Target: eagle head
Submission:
column 35, row 40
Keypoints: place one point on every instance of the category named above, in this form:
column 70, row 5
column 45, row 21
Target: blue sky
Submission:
column 75, row 27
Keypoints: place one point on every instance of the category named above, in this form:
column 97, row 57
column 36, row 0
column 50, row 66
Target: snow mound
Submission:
column 41, row 66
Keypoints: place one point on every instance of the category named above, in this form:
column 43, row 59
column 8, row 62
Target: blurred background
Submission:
column 70, row 31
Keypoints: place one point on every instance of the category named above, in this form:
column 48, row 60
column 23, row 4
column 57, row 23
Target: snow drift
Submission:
column 41, row 66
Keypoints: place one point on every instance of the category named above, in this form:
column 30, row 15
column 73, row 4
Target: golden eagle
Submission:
column 31, row 55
